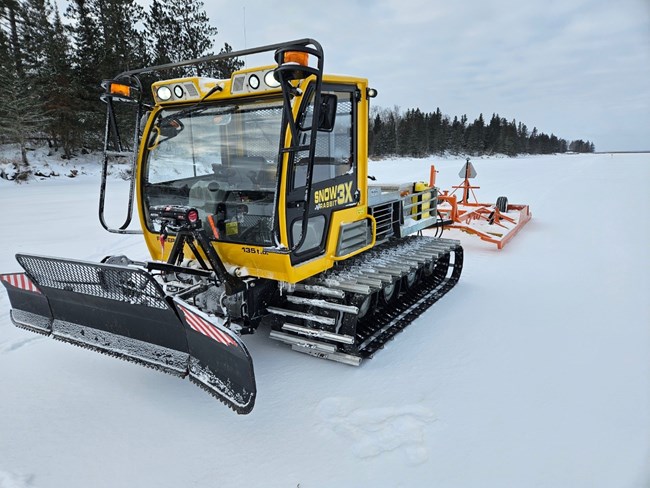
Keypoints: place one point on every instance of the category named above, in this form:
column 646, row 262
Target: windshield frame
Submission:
column 257, row 173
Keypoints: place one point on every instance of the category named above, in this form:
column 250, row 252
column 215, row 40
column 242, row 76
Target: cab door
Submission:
column 334, row 174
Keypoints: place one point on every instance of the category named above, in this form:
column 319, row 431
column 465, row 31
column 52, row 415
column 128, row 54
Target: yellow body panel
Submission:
column 250, row 260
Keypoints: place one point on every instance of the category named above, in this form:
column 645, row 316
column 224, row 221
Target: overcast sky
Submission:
column 577, row 68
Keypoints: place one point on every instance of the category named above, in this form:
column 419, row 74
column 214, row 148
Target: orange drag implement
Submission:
column 497, row 223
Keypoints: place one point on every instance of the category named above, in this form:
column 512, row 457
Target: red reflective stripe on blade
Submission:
column 20, row 280
column 209, row 330
column 199, row 326
column 223, row 337
column 206, row 328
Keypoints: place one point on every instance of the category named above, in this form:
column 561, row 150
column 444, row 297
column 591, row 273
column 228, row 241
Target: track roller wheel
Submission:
column 429, row 268
column 412, row 279
column 389, row 293
column 365, row 307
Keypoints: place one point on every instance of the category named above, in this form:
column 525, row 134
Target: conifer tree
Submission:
column 21, row 113
column 374, row 133
column 162, row 34
column 522, row 134
column 120, row 38
column 509, row 138
column 475, row 136
column 10, row 16
column 492, row 134
column 457, row 140
column 179, row 30
column 60, row 100
column 85, row 31
column 35, row 36
column 224, row 68
column 388, row 143
column 438, row 135
column 5, row 48
column 105, row 42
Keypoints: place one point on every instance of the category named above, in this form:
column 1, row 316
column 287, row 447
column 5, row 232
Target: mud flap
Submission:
column 123, row 312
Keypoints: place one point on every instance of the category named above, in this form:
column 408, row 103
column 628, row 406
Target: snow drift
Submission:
column 533, row 371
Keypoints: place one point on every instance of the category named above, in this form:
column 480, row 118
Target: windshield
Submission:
column 220, row 159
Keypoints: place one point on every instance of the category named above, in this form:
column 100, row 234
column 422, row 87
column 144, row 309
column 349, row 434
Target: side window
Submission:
column 334, row 155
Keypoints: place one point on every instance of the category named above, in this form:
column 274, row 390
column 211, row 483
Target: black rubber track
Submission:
column 376, row 329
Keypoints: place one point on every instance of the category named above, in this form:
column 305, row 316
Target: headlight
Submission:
column 254, row 82
column 178, row 91
column 164, row 93
column 270, row 80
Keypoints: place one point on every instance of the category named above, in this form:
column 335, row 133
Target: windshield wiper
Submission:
column 197, row 107
column 193, row 109
column 171, row 125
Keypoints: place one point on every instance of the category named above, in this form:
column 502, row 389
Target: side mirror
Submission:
column 170, row 128
column 327, row 115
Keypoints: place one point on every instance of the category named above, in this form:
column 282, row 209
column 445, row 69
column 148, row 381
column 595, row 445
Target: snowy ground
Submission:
column 533, row 372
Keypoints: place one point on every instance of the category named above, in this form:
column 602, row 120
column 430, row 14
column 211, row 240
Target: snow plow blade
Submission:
column 122, row 311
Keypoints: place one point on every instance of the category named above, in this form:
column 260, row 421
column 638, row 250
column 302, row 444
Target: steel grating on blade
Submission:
column 100, row 280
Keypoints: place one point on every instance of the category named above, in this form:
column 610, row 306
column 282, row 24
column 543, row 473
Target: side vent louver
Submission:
column 353, row 237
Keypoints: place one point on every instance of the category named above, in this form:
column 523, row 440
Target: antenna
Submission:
column 245, row 43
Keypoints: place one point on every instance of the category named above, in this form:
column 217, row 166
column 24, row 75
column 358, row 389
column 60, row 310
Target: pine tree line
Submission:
column 419, row 134
column 51, row 67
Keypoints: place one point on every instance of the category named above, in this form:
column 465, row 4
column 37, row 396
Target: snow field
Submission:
column 533, row 371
